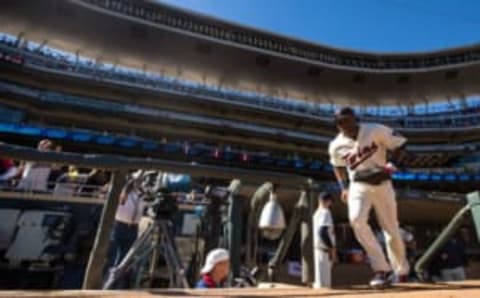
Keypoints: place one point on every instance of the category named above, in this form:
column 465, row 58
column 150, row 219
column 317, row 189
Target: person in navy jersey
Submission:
column 325, row 253
column 216, row 269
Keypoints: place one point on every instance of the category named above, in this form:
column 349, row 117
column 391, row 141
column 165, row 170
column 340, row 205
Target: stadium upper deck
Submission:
column 184, row 44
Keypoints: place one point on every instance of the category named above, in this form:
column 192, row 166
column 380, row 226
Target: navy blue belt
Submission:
column 126, row 224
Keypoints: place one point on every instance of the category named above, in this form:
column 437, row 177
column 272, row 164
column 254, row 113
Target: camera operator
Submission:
column 127, row 218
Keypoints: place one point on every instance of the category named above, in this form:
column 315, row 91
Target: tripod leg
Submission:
column 155, row 255
column 116, row 273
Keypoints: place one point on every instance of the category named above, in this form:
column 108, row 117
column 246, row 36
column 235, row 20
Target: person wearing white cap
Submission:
column 215, row 270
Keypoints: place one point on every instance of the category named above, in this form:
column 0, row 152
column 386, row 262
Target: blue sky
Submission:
column 374, row 25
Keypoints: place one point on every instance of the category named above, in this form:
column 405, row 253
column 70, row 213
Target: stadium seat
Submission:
column 193, row 151
column 450, row 177
column 328, row 167
column 105, row 140
column 149, row 145
column 29, row 130
column 299, row 164
column 282, row 162
column 315, row 166
column 266, row 160
column 423, row 176
column 228, row 155
column 412, row 176
column 81, row 136
column 127, row 142
column 8, row 128
column 55, row 133
column 171, row 148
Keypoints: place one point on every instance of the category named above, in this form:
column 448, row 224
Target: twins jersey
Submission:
column 369, row 150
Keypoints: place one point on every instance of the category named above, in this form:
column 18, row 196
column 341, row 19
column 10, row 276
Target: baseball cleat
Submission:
column 381, row 279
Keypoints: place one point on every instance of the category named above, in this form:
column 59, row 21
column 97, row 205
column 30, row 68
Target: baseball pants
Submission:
column 362, row 197
column 323, row 269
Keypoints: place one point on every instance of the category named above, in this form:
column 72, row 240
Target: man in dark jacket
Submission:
column 453, row 261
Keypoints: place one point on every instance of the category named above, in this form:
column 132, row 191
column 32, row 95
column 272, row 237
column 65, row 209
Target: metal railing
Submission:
column 54, row 192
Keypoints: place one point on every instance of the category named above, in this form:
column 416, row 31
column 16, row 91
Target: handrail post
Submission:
column 98, row 256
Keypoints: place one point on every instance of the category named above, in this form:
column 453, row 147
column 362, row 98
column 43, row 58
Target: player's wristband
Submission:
column 343, row 184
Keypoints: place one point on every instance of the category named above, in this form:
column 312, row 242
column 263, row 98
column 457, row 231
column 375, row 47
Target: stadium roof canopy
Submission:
column 175, row 42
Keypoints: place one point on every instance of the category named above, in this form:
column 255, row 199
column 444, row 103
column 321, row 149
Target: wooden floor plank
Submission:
column 467, row 289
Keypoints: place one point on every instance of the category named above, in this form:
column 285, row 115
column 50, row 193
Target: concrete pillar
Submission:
column 235, row 226
column 307, row 238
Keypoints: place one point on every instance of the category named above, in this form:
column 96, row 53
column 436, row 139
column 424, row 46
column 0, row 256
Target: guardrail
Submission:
column 54, row 192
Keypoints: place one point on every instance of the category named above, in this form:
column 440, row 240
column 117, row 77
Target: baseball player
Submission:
column 358, row 155
column 324, row 241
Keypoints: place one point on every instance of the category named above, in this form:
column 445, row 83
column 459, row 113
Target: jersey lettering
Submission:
column 353, row 160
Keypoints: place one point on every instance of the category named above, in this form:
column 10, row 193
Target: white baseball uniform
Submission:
column 367, row 151
column 323, row 266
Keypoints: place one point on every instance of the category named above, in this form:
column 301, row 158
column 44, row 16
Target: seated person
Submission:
column 97, row 184
column 35, row 174
column 216, row 269
column 8, row 170
column 67, row 184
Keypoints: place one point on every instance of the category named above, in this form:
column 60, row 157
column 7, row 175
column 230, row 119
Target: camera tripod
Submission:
column 142, row 259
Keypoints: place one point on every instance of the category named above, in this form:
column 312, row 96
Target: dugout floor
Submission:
column 467, row 289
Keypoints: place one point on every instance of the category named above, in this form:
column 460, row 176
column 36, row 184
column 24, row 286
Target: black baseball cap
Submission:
column 325, row 196
column 344, row 112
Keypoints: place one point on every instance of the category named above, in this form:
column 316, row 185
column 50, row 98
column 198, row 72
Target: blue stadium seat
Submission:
column 282, row 162
column 8, row 128
column 450, row 177
column 150, row 145
column 422, row 177
column 299, row 164
column 401, row 176
column 78, row 136
column 410, row 176
column 228, row 155
column 266, row 160
column 29, row 130
column 172, row 148
column 105, row 139
column 193, row 151
column 127, row 142
column 398, row 176
column 11, row 115
column 315, row 165
column 55, row 133
column 327, row 167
